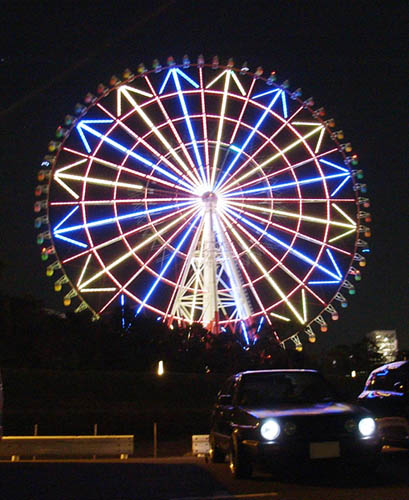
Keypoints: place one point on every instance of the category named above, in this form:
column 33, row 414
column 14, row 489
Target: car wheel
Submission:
column 240, row 465
column 215, row 453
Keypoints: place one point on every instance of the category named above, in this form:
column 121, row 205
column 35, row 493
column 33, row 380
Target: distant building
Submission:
column 385, row 343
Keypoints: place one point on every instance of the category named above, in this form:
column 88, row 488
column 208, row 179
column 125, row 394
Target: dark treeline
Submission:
column 36, row 338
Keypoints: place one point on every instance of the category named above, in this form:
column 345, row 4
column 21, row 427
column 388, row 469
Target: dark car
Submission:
column 280, row 416
column 386, row 395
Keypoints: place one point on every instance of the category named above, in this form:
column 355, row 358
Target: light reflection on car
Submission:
column 278, row 416
column 386, row 395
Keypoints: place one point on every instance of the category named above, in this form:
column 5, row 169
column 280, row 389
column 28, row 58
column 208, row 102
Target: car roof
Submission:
column 392, row 366
column 280, row 370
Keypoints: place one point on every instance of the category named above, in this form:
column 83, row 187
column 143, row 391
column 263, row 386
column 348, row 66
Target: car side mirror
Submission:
column 225, row 399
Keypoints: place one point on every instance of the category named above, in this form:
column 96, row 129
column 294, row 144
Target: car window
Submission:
column 388, row 380
column 268, row 388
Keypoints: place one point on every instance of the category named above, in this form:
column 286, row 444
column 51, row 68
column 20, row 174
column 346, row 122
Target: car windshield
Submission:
column 260, row 389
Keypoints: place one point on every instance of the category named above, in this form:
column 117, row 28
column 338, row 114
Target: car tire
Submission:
column 240, row 465
column 215, row 453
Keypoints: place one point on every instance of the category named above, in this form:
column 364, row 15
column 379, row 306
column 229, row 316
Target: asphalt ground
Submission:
column 191, row 478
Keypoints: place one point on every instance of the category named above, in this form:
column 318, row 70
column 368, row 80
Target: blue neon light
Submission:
column 182, row 101
column 260, row 324
column 69, row 240
column 138, row 157
column 82, row 135
column 249, row 137
column 297, row 253
column 326, row 162
column 340, row 186
column 324, row 282
column 246, row 336
column 266, row 93
column 171, row 72
column 334, row 263
column 122, row 299
column 287, row 184
column 132, row 215
column 66, row 217
column 168, row 263
column 284, row 101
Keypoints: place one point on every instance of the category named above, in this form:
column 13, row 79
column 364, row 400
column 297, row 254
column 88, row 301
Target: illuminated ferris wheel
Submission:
column 201, row 193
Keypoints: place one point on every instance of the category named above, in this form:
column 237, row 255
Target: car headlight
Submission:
column 270, row 430
column 367, row 426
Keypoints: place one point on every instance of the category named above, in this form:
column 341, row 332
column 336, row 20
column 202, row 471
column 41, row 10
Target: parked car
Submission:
column 279, row 416
column 386, row 395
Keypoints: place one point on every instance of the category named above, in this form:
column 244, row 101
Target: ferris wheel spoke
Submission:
column 176, row 134
column 296, row 215
column 243, row 109
column 168, row 263
column 274, row 173
column 126, row 170
column 264, row 272
column 139, row 158
column 242, row 148
column 187, row 176
column 234, row 180
column 298, row 234
column 204, row 125
column 132, row 232
column 301, row 283
column 293, row 251
column 220, row 126
column 132, row 215
column 297, row 183
column 157, row 133
column 145, row 265
column 138, row 247
column 176, row 74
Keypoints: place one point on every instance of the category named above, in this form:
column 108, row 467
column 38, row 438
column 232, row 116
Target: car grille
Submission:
column 321, row 428
column 395, row 432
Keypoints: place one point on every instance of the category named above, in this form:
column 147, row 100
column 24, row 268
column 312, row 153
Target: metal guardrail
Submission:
column 66, row 446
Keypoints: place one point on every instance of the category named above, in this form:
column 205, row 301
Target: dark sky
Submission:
column 351, row 56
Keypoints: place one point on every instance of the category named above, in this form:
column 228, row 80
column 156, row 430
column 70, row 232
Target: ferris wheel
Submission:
column 204, row 193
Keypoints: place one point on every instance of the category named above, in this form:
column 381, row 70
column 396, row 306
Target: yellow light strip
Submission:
column 347, row 217
column 290, row 214
column 238, row 83
column 319, row 142
column 83, row 270
column 101, row 182
column 220, row 129
column 158, row 133
column 216, row 79
column 131, row 89
column 96, row 290
column 341, row 236
column 279, row 316
column 304, row 305
column 146, row 144
column 67, row 188
column 67, row 167
column 291, row 146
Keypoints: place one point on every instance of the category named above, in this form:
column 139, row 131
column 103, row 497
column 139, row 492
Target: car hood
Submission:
column 307, row 409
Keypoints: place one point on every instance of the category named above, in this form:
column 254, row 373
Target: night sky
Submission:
column 351, row 56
